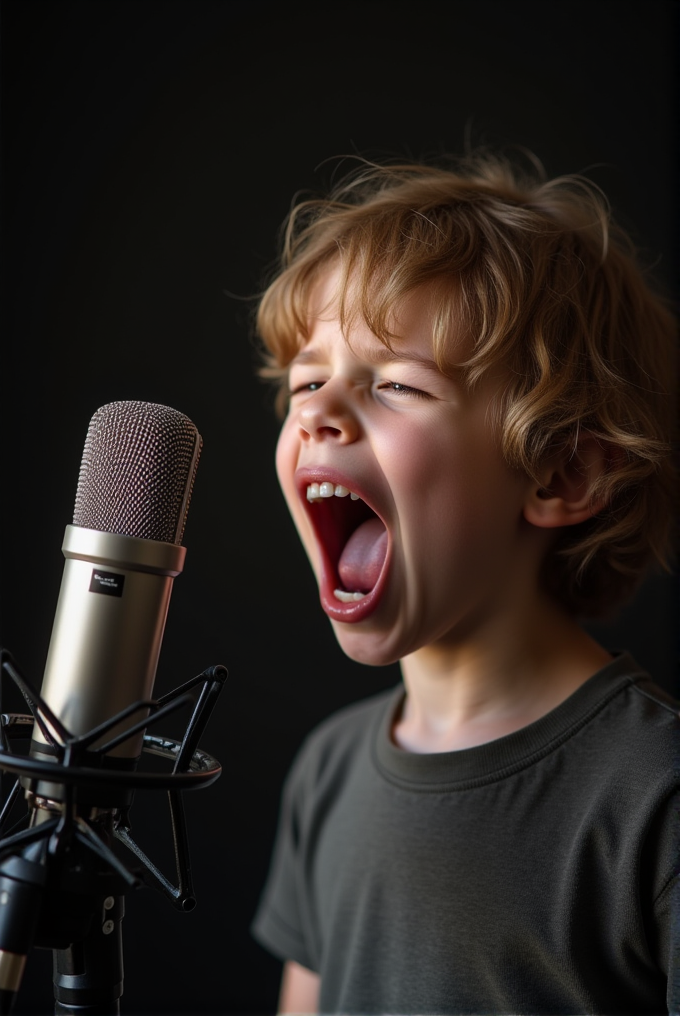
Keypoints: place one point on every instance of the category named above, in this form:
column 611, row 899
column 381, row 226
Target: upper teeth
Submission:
column 317, row 491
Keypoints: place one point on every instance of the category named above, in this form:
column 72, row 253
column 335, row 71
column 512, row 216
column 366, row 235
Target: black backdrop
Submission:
column 150, row 150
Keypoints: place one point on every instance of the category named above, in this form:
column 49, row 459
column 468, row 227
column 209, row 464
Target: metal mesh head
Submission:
column 137, row 471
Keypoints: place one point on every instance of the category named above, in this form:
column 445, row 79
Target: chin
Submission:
column 370, row 648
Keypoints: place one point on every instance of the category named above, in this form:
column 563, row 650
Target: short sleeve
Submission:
column 280, row 923
column 669, row 918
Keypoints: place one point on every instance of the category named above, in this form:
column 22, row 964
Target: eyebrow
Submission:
column 381, row 355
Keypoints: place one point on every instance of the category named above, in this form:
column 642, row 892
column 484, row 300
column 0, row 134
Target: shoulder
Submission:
column 624, row 758
column 663, row 705
column 632, row 717
column 625, row 690
column 341, row 741
column 648, row 716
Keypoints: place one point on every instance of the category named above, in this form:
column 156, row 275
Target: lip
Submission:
column 356, row 610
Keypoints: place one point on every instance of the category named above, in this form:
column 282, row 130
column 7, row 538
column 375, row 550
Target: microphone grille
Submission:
column 137, row 471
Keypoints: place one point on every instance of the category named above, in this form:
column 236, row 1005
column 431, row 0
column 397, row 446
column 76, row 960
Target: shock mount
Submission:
column 63, row 874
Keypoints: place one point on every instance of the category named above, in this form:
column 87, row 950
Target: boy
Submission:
column 475, row 454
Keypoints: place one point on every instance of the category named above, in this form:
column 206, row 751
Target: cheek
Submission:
column 286, row 464
column 453, row 494
column 282, row 454
column 429, row 474
column 286, row 461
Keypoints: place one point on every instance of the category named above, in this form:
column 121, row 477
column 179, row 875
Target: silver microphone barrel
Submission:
column 108, row 630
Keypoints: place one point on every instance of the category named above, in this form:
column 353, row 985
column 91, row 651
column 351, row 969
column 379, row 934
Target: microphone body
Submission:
column 122, row 553
column 108, row 629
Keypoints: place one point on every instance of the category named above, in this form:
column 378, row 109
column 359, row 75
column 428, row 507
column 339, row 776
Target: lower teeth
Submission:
column 346, row 597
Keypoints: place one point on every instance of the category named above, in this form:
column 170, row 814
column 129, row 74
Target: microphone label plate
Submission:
column 109, row 583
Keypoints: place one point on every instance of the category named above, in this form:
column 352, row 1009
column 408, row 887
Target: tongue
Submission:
column 362, row 559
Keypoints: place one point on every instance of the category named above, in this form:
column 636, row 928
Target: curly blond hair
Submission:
column 540, row 279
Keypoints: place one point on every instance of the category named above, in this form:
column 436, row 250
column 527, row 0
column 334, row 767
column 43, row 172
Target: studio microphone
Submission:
column 122, row 553
column 62, row 885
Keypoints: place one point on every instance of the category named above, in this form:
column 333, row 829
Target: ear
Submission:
column 563, row 497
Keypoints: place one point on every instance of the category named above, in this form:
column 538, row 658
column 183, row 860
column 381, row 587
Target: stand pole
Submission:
column 88, row 975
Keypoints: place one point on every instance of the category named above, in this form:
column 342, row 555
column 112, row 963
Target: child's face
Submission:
column 441, row 514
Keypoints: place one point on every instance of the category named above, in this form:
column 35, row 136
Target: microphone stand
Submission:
column 62, row 885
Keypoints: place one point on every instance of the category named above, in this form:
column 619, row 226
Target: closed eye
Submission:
column 310, row 386
column 401, row 389
column 395, row 387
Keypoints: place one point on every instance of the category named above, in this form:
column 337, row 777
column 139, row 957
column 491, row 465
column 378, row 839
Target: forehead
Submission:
column 339, row 306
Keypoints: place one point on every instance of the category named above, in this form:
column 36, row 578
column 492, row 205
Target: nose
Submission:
column 328, row 415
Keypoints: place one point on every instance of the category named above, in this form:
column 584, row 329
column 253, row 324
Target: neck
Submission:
column 462, row 692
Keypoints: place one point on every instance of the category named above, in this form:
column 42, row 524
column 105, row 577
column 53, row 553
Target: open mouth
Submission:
column 354, row 544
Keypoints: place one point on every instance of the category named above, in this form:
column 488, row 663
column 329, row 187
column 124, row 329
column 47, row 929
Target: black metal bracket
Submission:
column 192, row 769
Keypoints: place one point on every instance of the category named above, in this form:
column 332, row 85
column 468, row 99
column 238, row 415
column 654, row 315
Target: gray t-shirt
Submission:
column 535, row 874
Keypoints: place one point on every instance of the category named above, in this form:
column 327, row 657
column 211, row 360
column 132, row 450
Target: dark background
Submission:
column 150, row 151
